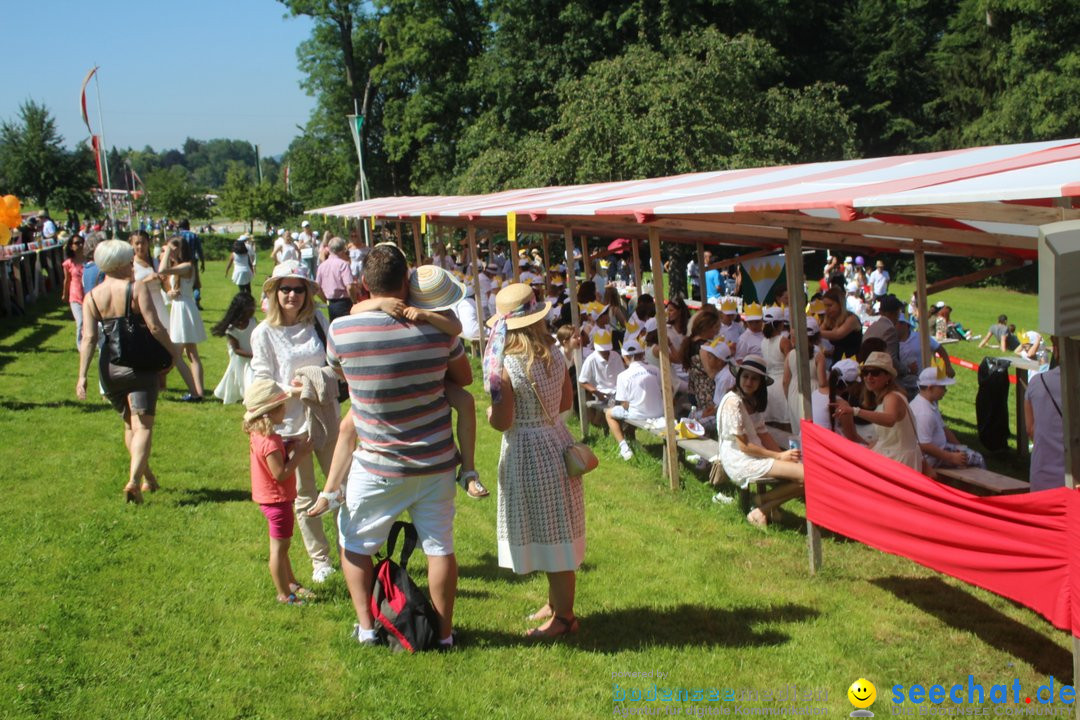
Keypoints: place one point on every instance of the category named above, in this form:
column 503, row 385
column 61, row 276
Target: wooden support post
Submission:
column 701, row 272
column 575, row 321
column 637, row 265
column 1021, row 422
column 671, row 451
column 476, row 285
column 515, row 270
column 397, row 235
column 921, row 303
column 546, row 239
column 796, row 287
column 418, row 246
column 5, row 288
column 585, row 263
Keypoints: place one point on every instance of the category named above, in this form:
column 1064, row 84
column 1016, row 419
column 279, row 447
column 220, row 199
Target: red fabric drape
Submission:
column 1023, row 547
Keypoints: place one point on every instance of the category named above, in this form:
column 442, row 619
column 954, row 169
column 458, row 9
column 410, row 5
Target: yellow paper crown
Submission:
column 817, row 307
column 632, row 327
column 752, row 310
column 601, row 338
column 939, row 365
column 729, row 305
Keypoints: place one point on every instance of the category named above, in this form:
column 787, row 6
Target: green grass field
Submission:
column 167, row 610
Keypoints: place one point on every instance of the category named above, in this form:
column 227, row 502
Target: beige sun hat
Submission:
column 517, row 303
column 261, row 397
column 881, row 361
column 289, row 269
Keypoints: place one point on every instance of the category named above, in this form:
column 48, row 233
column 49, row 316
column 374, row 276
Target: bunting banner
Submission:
column 1023, row 547
column 763, row 278
column 82, row 101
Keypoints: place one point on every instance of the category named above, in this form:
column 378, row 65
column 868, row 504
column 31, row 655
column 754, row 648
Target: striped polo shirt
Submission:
column 396, row 372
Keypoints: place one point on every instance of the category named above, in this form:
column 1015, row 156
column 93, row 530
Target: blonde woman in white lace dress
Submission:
column 541, row 510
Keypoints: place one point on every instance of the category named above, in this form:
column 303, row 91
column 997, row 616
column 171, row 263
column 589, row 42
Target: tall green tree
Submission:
column 171, row 193
column 33, row 161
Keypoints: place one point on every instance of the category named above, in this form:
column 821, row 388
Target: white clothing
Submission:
column 777, row 409
column 725, row 381
column 277, row 353
column 639, row 386
column 466, row 313
column 911, row 351
column 241, row 274
column 185, row 321
column 749, row 343
column 732, row 419
column 238, row 375
column 157, row 294
column 899, row 442
column 819, row 402
column 356, row 261
column 288, row 252
column 879, row 281
column 794, row 398
column 929, row 424
column 601, row 374
column 731, row 333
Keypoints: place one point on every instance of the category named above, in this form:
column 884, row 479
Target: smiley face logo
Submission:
column 862, row 693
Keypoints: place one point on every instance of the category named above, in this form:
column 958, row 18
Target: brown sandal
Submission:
column 558, row 627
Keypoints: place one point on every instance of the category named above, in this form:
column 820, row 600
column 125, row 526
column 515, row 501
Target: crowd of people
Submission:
column 392, row 341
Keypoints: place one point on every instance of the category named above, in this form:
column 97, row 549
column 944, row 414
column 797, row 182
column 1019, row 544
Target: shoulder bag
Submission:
column 129, row 343
column 578, row 457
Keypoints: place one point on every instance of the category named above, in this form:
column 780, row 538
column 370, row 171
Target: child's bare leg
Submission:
column 461, row 400
column 280, row 569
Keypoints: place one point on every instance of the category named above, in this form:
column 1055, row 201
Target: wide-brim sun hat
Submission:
column 289, row 269
column 756, row 364
column 518, row 304
column 433, row 288
column 880, row 361
column 261, row 397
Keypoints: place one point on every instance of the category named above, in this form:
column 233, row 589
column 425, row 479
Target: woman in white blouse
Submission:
column 287, row 340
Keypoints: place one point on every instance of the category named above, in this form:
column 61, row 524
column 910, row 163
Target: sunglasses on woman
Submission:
column 873, row 373
column 292, row 289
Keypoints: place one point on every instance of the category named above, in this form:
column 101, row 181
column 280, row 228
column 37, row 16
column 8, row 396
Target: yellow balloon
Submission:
column 12, row 203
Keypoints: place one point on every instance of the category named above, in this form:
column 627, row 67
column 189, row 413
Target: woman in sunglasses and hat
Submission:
column 747, row 451
column 541, row 511
column 292, row 337
column 891, row 416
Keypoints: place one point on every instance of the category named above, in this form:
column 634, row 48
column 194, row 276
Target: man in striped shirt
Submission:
column 405, row 458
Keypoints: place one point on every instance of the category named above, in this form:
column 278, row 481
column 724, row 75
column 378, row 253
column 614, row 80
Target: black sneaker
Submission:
column 189, row 398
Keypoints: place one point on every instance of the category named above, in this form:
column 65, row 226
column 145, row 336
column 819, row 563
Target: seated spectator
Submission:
column 886, row 406
column 911, row 349
column 599, row 373
column 747, row 451
column 938, row 442
column 842, row 382
column 749, row 342
column 998, row 333
column 638, row 395
column 1030, row 344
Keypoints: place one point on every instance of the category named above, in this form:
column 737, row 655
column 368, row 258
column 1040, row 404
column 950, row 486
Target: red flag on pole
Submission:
column 95, row 142
column 82, row 100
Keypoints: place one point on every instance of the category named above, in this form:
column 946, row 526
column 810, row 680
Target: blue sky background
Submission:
column 170, row 69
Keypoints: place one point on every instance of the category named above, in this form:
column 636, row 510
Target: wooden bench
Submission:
column 987, row 481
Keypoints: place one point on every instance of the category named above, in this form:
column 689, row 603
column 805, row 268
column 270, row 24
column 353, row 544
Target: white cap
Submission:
column 848, row 369
column 305, row 224
column 718, row 348
column 295, row 236
column 813, row 327
column 632, row 347
column 650, row 326
column 281, row 231
column 930, row 377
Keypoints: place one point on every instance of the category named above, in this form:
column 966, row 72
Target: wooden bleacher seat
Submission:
column 987, row 481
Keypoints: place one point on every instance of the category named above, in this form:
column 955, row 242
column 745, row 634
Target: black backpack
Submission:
column 992, row 403
column 404, row 617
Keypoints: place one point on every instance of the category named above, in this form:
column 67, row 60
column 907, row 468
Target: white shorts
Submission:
column 620, row 413
column 373, row 503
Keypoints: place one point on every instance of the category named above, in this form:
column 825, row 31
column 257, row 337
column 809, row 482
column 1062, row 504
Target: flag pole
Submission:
column 356, row 121
column 105, row 156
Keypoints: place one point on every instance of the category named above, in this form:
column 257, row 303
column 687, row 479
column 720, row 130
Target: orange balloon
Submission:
column 11, row 203
column 5, row 234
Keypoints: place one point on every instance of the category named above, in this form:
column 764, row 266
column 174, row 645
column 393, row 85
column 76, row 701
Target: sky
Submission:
column 170, row 69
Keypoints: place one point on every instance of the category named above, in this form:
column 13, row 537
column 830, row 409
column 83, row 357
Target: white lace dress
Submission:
column 732, row 419
column 777, row 409
column 238, row 375
column 541, row 511
column 156, row 293
column 185, row 320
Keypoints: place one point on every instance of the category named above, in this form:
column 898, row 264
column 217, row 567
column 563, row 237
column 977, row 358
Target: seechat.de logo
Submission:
column 862, row 695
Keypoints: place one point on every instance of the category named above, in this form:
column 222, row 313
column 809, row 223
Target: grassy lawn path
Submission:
column 167, row 610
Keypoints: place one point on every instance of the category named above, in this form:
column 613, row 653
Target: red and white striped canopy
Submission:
column 984, row 201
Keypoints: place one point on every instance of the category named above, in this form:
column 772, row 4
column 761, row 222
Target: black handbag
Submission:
column 129, row 343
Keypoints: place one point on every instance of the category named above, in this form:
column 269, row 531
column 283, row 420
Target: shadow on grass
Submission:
column 41, row 332
column 200, row 496
column 639, row 628
column 958, row 609
column 88, row 407
column 488, row 569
